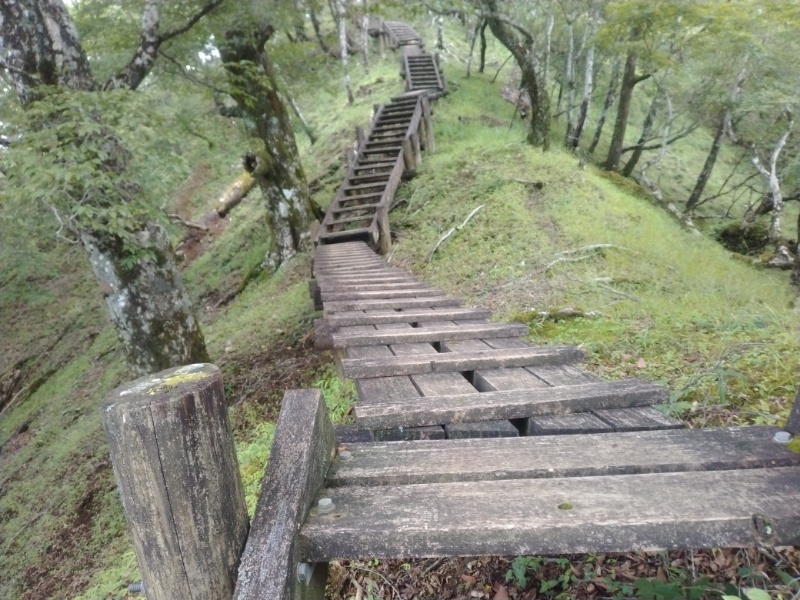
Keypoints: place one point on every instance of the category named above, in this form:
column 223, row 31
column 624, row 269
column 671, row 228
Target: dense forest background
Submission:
column 161, row 164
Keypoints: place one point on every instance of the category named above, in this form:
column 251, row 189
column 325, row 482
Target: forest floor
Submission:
column 657, row 302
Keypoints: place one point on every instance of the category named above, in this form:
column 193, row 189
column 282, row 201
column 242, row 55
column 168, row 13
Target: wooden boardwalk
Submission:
column 467, row 440
column 470, row 441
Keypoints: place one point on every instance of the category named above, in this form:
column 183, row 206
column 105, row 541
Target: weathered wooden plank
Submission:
column 461, row 361
column 394, row 303
column 404, row 316
column 301, row 453
column 479, row 430
column 638, row 419
column 510, row 404
column 407, row 434
column 562, row 374
column 660, row 451
column 559, row 516
column 429, row 334
column 421, row 292
column 584, row 423
column 345, row 286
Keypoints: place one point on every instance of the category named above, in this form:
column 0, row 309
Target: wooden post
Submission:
column 359, row 135
column 416, row 149
column 430, row 145
column 301, row 453
column 408, row 154
column 385, row 231
column 177, row 474
column 350, row 155
column 793, row 424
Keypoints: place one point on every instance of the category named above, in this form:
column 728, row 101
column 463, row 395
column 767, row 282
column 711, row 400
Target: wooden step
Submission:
column 380, row 295
column 367, row 186
column 559, row 456
column 511, row 404
column 353, row 219
column 386, row 164
column 368, row 178
column 346, row 209
column 460, row 361
column 394, row 303
column 406, row 316
column 367, row 285
column 619, row 513
column 339, row 235
column 429, row 334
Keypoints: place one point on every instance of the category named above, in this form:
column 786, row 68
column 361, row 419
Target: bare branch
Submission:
column 454, row 230
column 212, row 4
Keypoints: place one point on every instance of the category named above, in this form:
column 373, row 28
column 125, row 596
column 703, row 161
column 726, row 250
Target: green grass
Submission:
column 715, row 329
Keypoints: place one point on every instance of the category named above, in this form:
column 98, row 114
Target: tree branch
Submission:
column 212, row 4
column 132, row 74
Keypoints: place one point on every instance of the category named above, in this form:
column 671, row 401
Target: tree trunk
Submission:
column 277, row 168
column 773, row 183
column 483, row 46
column 574, row 140
column 569, row 80
column 439, row 32
column 340, row 18
column 611, row 95
column 312, row 13
column 647, row 127
column 796, row 269
column 623, row 111
column 149, row 306
column 722, row 128
column 520, row 44
column 473, row 36
column 708, row 166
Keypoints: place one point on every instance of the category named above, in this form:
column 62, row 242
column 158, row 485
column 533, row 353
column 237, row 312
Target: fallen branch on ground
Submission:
column 564, row 259
column 594, row 247
column 178, row 219
column 453, row 230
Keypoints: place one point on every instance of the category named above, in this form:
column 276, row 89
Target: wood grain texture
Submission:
column 509, row 404
column 429, row 334
column 461, row 361
column 585, row 423
column 481, row 429
column 178, row 478
column 331, row 307
column 559, row 516
column 404, row 316
column 300, row 456
column 420, row 292
column 638, row 419
column 669, row 450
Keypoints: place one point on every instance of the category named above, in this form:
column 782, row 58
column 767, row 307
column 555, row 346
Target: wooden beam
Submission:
column 619, row 513
column 672, row 450
column 301, row 454
column 176, row 471
column 511, row 404
column 406, row 316
column 460, row 361
column 429, row 334
column 333, row 306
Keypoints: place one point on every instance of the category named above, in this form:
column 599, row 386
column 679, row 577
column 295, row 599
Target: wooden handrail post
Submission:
column 793, row 424
column 178, row 477
column 417, row 152
column 359, row 135
column 409, row 161
column 430, row 146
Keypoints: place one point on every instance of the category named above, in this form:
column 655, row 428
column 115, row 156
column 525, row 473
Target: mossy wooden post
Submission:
column 430, row 146
column 359, row 135
column 385, row 232
column 176, row 469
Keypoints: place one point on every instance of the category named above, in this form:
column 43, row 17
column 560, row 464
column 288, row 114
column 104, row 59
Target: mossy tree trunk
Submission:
column 279, row 172
column 520, row 43
column 132, row 257
column 147, row 301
